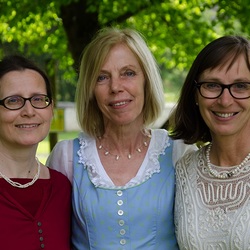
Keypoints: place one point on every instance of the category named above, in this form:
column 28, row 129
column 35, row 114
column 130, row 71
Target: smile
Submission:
column 27, row 126
column 119, row 104
column 224, row 115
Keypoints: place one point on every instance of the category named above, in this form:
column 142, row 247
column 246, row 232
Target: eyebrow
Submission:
column 129, row 66
column 222, row 81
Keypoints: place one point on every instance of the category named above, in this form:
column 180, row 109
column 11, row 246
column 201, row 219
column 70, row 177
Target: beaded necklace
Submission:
column 129, row 155
column 19, row 185
column 224, row 175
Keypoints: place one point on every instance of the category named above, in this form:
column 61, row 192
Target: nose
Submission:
column 116, row 84
column 28, row 109
column 225, row 99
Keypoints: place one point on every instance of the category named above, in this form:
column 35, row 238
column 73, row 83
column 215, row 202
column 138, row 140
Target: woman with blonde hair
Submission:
column 121, row 170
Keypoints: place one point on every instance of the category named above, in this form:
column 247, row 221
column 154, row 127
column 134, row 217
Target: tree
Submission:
column 57, row 31
column 176, row 30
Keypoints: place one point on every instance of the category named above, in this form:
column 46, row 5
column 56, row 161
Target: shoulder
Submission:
column 61, row 151
column 190, row 158
column 63, row 145
column 58, row 177
column 179, row 145
column 61, row 158
column 160, row 136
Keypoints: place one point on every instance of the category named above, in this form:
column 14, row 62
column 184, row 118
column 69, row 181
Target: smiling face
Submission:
column 26, row 126
column 225, row 115
column 119, row 89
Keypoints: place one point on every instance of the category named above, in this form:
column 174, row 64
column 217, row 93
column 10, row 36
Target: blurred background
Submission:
column 54, row 33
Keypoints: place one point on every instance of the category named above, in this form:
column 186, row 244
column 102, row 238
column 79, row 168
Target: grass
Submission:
column 44, row 147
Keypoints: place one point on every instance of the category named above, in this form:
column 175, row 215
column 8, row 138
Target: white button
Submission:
column 121, row 223
column 120, row 212
column 119, row 193
column 122, row 241
column 122, row 231
column 119, row 202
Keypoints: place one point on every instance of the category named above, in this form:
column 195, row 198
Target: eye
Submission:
column 211, row 85
column 39, row 98
column 241, row 86
column 14, row 100
column 128, row 73
column 102, row 78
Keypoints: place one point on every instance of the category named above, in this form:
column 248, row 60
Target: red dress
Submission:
column 37, row 217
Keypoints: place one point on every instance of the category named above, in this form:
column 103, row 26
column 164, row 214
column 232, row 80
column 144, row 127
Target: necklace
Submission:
column 19, row 185
column 129, row 155
column 227, row 174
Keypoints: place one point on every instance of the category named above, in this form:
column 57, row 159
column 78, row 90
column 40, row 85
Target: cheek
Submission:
column 206, row 107
column 100, row 94
column 140, row 90
column 202, row 105
column 8, row 117
column 97, row 93
column 98, row 100
column 49, row 114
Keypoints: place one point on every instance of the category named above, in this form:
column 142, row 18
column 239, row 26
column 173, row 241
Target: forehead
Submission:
column 21, row 81
column 236, row 68
column 120, row 54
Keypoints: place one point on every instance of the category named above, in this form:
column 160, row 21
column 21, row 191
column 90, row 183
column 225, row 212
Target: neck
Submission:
column 228, row 153
column 18, row 168
column 122, row 146
column 225, row 174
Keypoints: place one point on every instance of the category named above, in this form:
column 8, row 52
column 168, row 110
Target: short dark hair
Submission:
column 186, row 121
column 18, row 63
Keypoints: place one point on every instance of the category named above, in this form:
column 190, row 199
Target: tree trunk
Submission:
column 80, row 25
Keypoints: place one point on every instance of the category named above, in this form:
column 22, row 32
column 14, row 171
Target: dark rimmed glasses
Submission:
column 213, row 90
column 16, row 102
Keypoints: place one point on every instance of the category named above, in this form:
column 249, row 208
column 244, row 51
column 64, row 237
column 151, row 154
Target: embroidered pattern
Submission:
column 211, row 213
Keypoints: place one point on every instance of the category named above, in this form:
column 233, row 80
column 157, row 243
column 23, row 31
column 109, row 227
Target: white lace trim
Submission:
column 88, row 157
column 211, row 213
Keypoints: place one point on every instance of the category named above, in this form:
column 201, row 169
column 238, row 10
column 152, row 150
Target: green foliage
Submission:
column 34, row 29
column 176, row 30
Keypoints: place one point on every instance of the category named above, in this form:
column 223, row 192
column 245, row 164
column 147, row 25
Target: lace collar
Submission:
column 89, row 158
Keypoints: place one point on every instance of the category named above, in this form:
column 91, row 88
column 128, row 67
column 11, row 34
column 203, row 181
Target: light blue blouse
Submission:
column 136, row 216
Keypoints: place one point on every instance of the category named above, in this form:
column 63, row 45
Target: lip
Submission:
column 118, row 104
column 27, row 126
column 224, row 114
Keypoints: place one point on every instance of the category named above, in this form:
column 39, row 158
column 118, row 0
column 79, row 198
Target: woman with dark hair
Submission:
column 212, row 195
column 35, row 201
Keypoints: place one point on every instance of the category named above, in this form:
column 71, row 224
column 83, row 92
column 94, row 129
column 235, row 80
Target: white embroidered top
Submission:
column 211, row 213
column 61, row 158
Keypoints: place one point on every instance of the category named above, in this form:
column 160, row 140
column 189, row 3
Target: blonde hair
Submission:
column 89, row 115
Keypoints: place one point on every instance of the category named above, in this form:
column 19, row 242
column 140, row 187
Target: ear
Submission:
column 52, row 107
column 196, row 99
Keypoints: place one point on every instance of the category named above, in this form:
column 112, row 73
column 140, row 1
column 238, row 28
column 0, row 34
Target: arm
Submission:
column 61, row 158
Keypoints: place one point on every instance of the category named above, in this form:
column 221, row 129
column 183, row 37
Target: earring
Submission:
column 197, row 103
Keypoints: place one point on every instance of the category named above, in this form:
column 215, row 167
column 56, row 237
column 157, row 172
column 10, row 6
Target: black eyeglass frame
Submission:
column 2, row 102
column 223, row 86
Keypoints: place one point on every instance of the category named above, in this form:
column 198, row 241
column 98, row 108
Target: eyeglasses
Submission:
column 16, row 102
column 212, row 90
